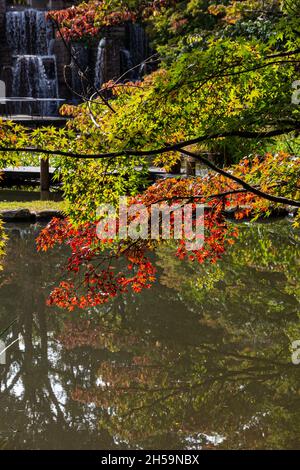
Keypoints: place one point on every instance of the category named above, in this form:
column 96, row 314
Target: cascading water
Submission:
column 28, row 32
column 29, row 36
column 132, row 56
column 138, row 44
column 127, row 66
column 35, row 76
column 100, row 64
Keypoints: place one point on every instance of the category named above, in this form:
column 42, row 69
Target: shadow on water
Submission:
column 201, row 360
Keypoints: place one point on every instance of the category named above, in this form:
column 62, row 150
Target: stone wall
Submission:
column 114, row 41
column 63, row 59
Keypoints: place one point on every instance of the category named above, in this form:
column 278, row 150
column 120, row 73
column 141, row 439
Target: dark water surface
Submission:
column 201, row 360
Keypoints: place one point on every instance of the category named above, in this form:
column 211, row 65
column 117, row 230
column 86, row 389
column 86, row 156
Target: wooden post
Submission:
column 190, row 166
column 45, row 179
column 176, row 168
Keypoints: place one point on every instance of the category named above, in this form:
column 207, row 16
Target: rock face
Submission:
column 2, row 15
column 63, row 59
column 25, row 215
column 17, row 215
column 47, row 215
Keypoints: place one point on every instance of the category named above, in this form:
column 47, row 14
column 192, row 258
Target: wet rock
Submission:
column 17, row 215
column 47, row 215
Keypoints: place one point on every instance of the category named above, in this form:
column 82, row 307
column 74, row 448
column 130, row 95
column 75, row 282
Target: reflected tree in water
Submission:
column 201, row 360
column 219, row 370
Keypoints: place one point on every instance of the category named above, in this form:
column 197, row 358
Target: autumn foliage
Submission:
column 87, row 19
column 99, row 270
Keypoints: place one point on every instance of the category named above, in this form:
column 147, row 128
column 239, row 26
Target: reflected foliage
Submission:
column 201, row 360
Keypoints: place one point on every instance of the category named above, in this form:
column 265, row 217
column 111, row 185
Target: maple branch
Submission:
column 164, row 149
column 225, row 71
column 247, row 186
column 200, row 196
column 180, row 147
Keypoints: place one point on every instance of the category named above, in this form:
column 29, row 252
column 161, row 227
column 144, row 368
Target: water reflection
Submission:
column 201, row 360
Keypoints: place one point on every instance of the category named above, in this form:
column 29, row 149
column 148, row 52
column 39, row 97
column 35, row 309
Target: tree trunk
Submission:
column 45, row 179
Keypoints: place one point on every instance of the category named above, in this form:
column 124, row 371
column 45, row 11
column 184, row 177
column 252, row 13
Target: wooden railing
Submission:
column 9, row 114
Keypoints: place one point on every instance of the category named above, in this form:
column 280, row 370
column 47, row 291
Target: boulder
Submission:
column 17, row 215
column 47, row 215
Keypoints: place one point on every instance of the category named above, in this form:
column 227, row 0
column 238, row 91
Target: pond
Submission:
column 202, row 360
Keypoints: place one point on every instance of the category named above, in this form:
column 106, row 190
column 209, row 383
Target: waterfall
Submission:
column 138, row 44
column 30, row 37
column 100, row 64
column 35, row 76
column 28, row 32
column 132, row 54
column 136, row 52
column 127, row 65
